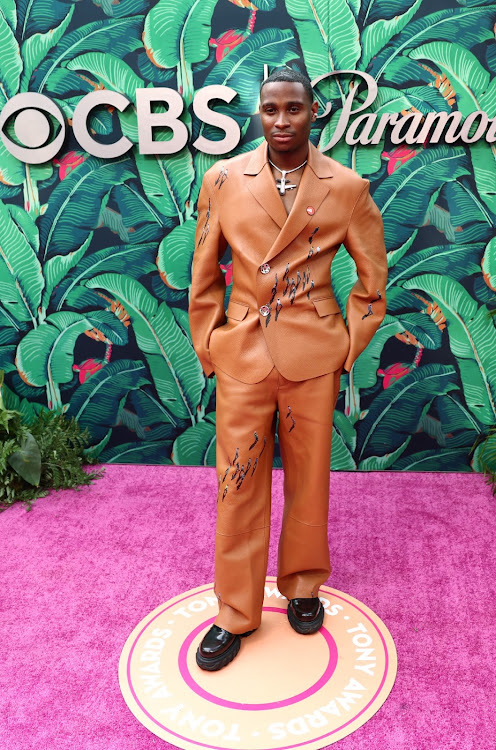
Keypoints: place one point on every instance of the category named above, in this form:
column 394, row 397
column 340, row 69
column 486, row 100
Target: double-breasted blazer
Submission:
column 282, row 309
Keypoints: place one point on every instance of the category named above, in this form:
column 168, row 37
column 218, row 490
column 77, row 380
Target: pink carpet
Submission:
column 83, row 568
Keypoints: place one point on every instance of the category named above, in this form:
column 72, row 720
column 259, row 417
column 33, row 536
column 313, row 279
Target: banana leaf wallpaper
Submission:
column 95, row 255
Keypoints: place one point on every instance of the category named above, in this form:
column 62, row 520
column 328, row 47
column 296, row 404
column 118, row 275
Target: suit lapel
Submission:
column 262, row 186
column 312, row 190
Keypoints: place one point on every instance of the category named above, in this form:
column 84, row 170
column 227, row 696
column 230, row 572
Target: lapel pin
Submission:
column 310, row 210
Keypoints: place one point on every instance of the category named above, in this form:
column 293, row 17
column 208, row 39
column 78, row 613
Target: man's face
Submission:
column 286, row 115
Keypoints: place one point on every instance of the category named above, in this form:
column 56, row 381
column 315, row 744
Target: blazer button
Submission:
column 265, row 268
column 265, row 310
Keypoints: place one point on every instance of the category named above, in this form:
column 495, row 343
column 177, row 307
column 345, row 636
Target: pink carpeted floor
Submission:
column 81, row 569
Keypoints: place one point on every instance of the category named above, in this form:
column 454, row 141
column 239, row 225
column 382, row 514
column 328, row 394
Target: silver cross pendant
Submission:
column 282, row 185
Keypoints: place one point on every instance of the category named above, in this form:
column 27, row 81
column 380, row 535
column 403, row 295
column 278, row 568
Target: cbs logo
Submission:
column 33, row 125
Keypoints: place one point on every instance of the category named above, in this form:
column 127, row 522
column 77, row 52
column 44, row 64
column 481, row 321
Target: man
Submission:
column 284, row 209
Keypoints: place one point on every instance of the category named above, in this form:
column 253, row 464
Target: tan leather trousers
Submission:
column 245, row 427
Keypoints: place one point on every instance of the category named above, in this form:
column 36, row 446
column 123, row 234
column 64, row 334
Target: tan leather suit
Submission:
column 280, row 348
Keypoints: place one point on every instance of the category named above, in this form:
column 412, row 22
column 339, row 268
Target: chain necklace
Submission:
column 282, row 185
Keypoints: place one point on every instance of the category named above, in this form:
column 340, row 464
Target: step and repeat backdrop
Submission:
column 112, row 110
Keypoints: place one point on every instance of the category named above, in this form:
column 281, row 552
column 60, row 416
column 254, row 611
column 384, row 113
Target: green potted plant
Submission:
column 39, row 453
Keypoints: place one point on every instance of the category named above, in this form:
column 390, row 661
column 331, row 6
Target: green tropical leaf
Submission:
column 39, row 16
column 394, row 414
column 131, row 260
column 474, row 25
column 76, row 203
column 93, row 451
column 110, row 70
column 123, row 7
column 378, row 34
column 156, row 420
column 468, row 212
column 483, row 156
column 145, row 221
column 9, row 11
column 12, row 171
column 472, row 338
column 467, row 76
column 175, row 368
column 489, row 264
column 7, row 359
column 484, row 459
column 152, row 453
column 29, row 410
column 46, row 354
column 166, row 181
column 451, row 260
column 343, row 276
column 26, row 224
column 57, row 267
column 451, row 459
column 328, row 32
column 178, row 33
column 96, row 403
column 195, row 446
column 36, row 48
column 420, row 325
column 175, row 255
column 27, row 460
column 121, row 35
column 381, row 463
column 21, row 278
column 413, row 185
column 10, row 62
column 374, row 10
column 343, row 444
column 63, row 83
column 110, row 325
column 459, row 426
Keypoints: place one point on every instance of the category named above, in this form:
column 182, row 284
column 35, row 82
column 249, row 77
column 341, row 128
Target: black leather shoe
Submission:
column 306, row 615
column 218, row 648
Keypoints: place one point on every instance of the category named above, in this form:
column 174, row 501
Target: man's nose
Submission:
column 282, row 120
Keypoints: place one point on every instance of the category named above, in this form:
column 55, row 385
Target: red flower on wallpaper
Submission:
column 87, row 368
column 228, row 270
column 226, row 42
column 67, row 163
column 397, row 157
column 393, row 373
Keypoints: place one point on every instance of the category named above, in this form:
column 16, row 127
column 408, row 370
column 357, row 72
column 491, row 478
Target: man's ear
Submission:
column 315, row 109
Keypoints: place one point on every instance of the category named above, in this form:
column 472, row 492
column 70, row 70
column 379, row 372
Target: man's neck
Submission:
column 287, row 160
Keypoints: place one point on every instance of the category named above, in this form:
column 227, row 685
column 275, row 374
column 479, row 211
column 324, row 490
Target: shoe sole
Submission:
column 213, row 664
column 306, row 628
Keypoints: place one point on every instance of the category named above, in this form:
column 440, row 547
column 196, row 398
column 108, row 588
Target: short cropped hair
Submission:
column 288, row 75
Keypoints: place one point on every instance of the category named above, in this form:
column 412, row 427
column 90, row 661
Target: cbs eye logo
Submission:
column 32, row 127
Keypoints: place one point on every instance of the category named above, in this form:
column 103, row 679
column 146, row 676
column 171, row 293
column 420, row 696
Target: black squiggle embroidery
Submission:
column 241, row 472
column 311, row 287
column 274, row 290
column 278, row 307
column 222, row 177
column 310, row 239
column 370, row 311
column 289, row 414
column 254, row 442
column 206, row 226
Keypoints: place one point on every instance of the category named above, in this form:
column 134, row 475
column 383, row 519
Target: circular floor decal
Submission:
column 283, row 690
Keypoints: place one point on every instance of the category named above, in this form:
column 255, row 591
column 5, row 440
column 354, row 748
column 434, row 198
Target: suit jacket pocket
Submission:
column 326, row 306
column 237, row 310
